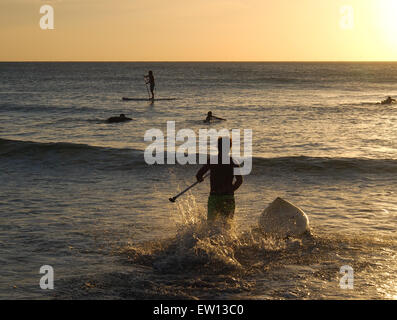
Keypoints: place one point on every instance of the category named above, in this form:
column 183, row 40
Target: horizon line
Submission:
column 199, row 61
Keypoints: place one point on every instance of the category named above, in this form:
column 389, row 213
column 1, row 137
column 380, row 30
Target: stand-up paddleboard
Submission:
column 282, row 218
column 146, row 99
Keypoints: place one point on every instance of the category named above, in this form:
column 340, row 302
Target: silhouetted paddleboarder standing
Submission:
column 149, row 79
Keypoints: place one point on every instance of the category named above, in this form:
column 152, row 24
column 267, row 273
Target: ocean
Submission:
column 76, row 193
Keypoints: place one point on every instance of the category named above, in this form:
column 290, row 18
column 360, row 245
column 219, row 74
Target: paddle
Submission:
column 144, row 79
column 186, row 190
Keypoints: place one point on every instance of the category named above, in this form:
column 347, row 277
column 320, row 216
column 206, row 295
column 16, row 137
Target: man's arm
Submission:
column 202, row 172
column 217, row 118
column 238, row 183
column 239, row 178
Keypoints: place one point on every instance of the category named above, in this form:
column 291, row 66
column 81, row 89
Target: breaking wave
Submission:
column 120, row 159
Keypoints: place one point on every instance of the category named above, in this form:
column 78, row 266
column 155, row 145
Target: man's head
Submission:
column 122, row 115
column 151, row 72
column 209, row 114
column 224, row 144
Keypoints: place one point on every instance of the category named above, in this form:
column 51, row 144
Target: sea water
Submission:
column 76, row 193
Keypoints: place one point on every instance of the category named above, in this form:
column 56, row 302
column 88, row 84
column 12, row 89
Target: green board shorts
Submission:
column 221, row 206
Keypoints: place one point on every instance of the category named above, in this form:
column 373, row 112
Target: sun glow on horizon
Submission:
column 387, row 19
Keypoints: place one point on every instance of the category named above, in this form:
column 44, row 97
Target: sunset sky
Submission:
column 199, row 30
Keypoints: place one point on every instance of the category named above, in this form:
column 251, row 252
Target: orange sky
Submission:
column 199, row 30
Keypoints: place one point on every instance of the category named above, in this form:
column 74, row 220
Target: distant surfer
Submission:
column 121, row 118
column 389, row 100
column 211, row 117
column 149, row 79
column 221, row 203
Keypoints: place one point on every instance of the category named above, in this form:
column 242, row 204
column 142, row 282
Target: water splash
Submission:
column 200, row 247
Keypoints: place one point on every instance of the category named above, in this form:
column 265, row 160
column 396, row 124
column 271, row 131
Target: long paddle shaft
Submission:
column 186, row 190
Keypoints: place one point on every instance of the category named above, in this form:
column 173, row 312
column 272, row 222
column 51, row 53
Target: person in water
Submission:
column 212, row 117
column 389, row 100
column 149, row 79
column 121, row 118
column 221, row 203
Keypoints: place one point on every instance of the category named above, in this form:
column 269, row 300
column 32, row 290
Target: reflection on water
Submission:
column 210, row 262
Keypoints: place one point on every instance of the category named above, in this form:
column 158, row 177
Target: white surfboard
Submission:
column 282, row 218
